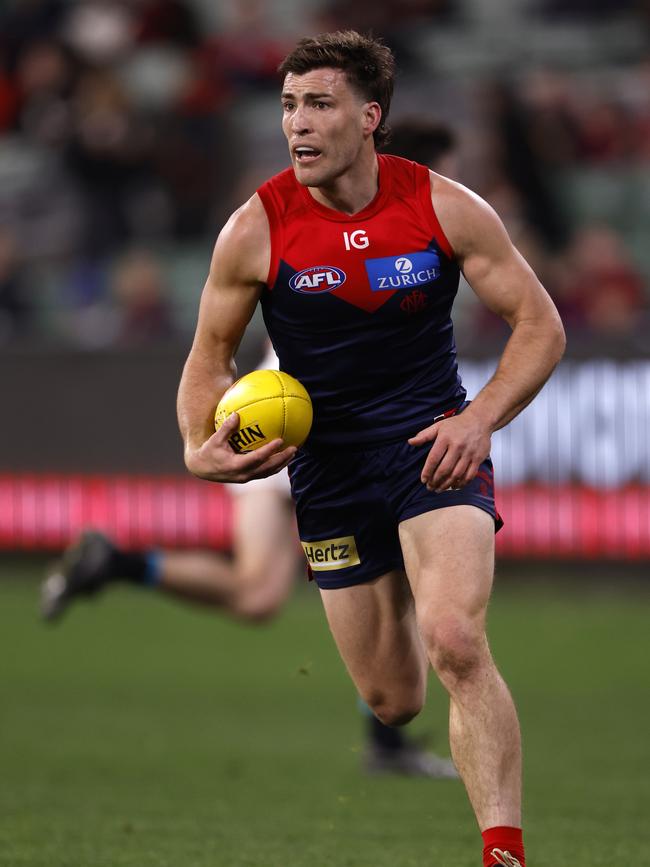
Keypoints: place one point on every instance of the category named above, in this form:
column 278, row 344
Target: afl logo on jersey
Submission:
column 317, row 279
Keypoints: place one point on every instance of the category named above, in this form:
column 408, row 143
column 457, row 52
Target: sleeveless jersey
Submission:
column 359, row 307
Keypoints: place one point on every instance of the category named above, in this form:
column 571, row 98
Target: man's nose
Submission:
column 299, row 120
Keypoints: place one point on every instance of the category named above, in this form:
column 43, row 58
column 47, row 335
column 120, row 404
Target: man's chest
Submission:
column 364, row 265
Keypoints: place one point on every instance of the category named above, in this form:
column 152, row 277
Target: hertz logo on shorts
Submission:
column 331, row 553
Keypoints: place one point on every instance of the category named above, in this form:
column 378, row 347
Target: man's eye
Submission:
column 288, row 106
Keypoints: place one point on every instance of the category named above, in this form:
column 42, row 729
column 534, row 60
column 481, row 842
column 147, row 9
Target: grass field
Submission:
column 138, row 732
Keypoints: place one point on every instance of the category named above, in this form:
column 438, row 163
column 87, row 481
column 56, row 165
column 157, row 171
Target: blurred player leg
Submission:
column 253, row 584
column 390, row 751
column 256, row 583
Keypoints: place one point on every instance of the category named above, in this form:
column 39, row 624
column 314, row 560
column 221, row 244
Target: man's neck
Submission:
column 353, row 191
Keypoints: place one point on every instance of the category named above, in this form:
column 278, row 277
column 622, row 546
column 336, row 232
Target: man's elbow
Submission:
column 557, row 337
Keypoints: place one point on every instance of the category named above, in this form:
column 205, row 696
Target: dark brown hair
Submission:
column 367, row 62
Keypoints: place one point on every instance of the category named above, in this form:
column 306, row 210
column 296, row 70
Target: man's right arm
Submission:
column 238, row 269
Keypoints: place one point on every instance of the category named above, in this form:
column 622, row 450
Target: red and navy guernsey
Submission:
column 359, row 307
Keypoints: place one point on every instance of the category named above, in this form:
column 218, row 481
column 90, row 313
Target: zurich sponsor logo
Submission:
column 317, row 279
column 398, row 272
column 403, row 265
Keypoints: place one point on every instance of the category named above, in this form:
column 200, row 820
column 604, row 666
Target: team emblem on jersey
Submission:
column 318, row 278
column 397, row 272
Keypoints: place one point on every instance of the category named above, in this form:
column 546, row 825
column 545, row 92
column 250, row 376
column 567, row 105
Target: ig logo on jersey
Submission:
column 317, row 279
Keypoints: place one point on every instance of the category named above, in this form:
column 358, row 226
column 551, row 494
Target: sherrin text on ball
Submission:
column 271, row 405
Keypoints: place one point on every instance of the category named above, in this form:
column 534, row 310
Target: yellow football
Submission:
column 271, row 405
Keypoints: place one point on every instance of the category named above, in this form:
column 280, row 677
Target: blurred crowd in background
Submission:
column 130, row 130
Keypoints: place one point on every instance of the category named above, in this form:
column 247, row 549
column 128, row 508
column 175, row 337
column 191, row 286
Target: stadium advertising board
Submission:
column 572, row 476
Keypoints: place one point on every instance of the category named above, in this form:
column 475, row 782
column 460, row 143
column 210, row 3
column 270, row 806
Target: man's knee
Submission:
column 456, row 644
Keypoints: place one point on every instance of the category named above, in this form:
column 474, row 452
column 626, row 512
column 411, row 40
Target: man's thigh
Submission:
column 449, row 559
column 374, row 627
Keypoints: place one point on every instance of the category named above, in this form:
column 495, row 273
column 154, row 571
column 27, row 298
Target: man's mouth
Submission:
column 305, row 155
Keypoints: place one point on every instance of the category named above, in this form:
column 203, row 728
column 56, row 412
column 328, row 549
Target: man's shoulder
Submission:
column 445, row 191
column 248, row 224
column 461, row 212
column 243, row 245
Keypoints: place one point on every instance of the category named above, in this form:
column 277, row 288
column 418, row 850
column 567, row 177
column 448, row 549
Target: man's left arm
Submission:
column 506, row 284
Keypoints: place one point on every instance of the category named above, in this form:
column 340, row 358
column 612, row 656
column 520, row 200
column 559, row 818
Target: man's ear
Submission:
column 371, row 117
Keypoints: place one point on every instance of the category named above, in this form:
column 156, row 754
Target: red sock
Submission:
column 506, row 839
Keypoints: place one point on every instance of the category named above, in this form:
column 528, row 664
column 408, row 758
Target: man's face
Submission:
column 326, row 124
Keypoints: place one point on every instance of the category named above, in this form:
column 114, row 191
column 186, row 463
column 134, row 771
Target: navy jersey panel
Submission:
column 349, row 507
column 359, row 307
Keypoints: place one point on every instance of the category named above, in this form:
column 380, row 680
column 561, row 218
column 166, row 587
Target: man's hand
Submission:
column 460, row 445
column 217, row 462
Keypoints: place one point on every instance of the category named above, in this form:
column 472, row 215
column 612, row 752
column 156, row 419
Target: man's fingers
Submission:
column 253, row 460
column 427, row 435
column 470, row 473
column 225, row 430
column 260, row 469
column 435, row 456
column 218, row 461
column 451, row 477
column 444, row 471
column 276, row 463
column 453, row 460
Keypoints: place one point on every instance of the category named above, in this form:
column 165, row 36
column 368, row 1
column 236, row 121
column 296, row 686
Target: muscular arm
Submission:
column 506, row 284
column 239, row 266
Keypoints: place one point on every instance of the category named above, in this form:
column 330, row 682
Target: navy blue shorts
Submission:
column 349, row 506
